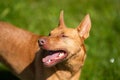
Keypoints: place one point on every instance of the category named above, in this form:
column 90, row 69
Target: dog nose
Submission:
column 41, row 42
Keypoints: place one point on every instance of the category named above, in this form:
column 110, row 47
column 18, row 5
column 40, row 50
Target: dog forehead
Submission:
column 67, row 31
column 71, row 31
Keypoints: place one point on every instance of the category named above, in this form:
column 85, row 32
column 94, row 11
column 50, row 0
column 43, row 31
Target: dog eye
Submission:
column 64, row 35
column 49, row 34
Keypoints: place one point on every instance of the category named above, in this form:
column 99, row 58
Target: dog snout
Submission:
column 41, row 42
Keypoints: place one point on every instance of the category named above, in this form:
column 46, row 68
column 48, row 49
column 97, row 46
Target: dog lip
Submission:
column 52, row 57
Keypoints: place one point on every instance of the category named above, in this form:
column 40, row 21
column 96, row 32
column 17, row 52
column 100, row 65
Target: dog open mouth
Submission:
column 51, row 57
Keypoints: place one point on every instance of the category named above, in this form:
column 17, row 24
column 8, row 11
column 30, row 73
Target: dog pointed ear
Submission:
column 61, row 20
column 84, row 27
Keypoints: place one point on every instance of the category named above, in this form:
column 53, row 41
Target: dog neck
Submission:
column 70, row 69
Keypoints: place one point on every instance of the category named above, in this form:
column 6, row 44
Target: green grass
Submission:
column 103, row 45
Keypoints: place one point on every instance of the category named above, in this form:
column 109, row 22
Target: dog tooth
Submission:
column 61, row 54
column 49, row 60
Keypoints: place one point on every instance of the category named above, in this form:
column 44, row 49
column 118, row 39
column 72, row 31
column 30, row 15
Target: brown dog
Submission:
column 60, row 57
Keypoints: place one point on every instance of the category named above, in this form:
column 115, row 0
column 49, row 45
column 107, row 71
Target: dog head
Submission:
column 63, row 43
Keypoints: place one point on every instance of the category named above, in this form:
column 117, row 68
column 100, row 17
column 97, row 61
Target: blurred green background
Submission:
column 103, row 45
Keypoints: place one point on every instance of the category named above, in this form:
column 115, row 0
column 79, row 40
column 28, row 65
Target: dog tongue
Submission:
column 50, row 57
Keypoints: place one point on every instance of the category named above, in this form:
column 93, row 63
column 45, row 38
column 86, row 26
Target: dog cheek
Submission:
column 71, row 45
